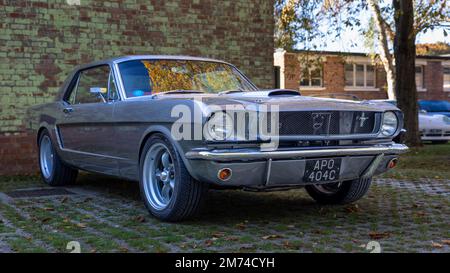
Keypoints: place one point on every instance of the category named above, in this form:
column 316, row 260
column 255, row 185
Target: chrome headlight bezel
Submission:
column 219, row 127
column 389, row 124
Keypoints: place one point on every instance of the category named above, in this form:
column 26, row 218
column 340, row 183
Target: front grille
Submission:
column 327, row 123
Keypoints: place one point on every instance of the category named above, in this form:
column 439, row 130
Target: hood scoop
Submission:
column 282, row 92
column 268, row 93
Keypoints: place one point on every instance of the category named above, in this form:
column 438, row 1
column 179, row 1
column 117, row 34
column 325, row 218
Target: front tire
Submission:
column 341, row 192
column 168, row 190
column 53, row 170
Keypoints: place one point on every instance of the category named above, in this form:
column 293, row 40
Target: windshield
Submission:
column 147, row 77
column 435, row 106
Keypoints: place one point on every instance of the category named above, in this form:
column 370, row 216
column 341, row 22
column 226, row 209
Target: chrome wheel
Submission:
column 46, row 156
column 158, row 176
column 328, row 189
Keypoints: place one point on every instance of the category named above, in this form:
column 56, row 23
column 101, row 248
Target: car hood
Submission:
column 439, row 113
column 286, row 100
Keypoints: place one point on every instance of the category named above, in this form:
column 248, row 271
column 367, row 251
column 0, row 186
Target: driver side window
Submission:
column 90, row 82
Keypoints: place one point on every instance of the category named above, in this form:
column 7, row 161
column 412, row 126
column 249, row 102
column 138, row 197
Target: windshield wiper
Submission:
column 178, row 91
column 231, row 91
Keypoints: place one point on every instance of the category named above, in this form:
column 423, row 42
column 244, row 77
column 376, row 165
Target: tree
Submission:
column 300, row 21
column 405, row 63
column 433, row 49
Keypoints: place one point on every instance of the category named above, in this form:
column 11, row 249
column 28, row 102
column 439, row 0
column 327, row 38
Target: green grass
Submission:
column 429, row 161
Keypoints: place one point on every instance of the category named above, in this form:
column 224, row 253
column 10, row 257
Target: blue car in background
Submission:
column 433, row 107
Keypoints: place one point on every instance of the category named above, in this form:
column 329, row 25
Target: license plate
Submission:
column 322, row 170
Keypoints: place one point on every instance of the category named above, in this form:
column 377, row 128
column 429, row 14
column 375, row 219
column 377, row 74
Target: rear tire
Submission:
column 339, row 193
column 167, row 189
column 53, row 170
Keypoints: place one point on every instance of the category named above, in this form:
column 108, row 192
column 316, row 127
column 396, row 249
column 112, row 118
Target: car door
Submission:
column 87, row 128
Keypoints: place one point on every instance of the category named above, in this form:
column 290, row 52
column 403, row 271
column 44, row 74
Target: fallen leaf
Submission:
column 273, row 236
column 209, row 242
column 241, row 226
column 123, row 249
column 81, row 225
column 49, row 209
column 232, row 238
column 140, row 219
column 45, row 220
column 64, row 199
column 378, row 235
column 420, row 214
column 93, row 250
column 218, row 235
column 436, row 245
column 291, row 226
column 352, row 209
column 287, row 245
column 447, row 242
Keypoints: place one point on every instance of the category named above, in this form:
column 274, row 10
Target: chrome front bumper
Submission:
column 246, row 154
column 285, row 168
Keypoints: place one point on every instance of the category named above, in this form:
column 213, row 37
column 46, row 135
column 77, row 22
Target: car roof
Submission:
column 116, row 60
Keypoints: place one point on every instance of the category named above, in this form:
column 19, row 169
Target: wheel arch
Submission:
column 159, row 129
column 43, row 127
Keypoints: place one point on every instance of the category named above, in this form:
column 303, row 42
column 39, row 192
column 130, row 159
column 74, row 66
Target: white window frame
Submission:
column 443, row 78
column 310, row 86
column 420, row 88
column 354, row 87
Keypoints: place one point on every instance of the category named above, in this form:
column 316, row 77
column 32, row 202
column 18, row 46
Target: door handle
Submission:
column 68, row 110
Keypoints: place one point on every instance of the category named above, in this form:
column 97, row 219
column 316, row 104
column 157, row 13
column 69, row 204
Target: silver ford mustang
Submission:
column 180, row 125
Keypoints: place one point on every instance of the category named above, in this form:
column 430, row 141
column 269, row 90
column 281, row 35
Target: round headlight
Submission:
column 390, row 124
column 446, row 119
column 219, row 127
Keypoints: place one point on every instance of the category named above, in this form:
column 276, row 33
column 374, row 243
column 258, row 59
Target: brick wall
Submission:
column 41, row 41
column 334, row 77
column 433, row 82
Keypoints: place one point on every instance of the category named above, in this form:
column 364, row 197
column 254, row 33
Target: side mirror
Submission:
column 100, row 92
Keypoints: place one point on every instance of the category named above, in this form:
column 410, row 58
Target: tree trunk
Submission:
column 385, row 55
column 405, row 61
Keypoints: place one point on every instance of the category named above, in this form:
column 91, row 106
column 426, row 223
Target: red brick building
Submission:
column 321, row 73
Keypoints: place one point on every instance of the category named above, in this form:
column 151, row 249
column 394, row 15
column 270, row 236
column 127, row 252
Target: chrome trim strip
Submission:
column 269, row 169
column 90, row 154
column 216, row 155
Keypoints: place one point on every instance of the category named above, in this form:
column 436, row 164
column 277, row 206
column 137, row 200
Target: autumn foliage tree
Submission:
column 304, row 22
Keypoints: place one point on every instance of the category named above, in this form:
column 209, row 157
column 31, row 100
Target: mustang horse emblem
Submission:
column 320, row 122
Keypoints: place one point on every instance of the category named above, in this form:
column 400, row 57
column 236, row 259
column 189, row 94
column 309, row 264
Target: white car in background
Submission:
column 434, row 128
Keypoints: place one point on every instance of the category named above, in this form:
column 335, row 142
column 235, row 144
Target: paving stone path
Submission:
column 400, row 216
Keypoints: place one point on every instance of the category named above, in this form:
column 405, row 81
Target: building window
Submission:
column 419, row 77
column 311, row 77
column 359, row 76
column 446, row 78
